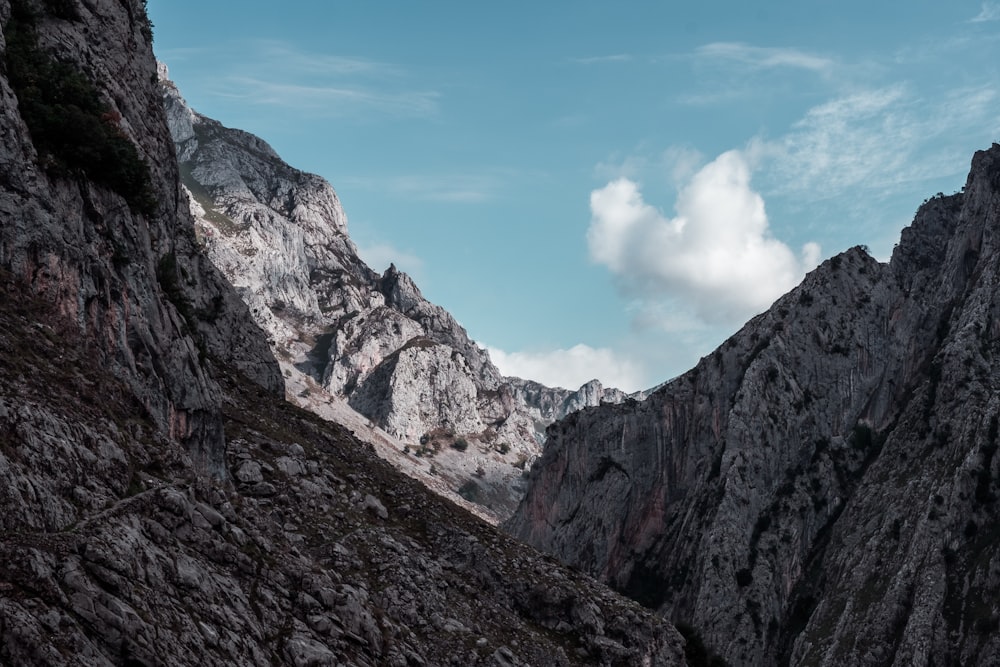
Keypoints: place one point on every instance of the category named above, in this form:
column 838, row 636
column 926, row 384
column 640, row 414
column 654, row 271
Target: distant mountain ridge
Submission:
column 822, row 489
column 343, row 332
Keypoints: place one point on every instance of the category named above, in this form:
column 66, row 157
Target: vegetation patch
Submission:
column 75, row 133
column 470, row 491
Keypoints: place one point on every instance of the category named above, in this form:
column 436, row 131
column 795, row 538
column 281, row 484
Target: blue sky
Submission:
column 602, row 189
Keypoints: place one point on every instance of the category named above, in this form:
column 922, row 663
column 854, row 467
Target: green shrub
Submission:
column 461, row 444
column 469, row 491
column 74, row 132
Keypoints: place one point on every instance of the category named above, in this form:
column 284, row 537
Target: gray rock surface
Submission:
column 280, row 236
column 820, row 490
column 317, row 552
column 159, row 503
column 103, row 265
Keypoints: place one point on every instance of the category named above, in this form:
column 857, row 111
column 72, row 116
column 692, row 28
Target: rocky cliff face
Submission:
column 317, row 553
column 159, row 503
column 347, row 334
column 127, row 277
column 821, row 490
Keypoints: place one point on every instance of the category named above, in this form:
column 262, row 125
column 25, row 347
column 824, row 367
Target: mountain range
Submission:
column 162, row 504
column 354, row 345
column 207, row 400
column 821, row 489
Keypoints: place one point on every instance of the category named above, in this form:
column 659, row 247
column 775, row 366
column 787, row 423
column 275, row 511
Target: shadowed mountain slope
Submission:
column 160, row 503
column 820, row 490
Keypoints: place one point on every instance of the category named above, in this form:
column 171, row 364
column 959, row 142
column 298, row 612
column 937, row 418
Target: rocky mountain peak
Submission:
column 815, row 490
column 369, row 344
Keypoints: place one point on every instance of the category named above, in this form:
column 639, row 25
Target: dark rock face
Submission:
column 131, row 281
column 159, row 503
column 822, row 488
column 318, row 553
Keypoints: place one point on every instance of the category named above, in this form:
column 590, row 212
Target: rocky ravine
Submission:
column 822, row 489
column 317, row 553
column 159, row 503
column 351, row 340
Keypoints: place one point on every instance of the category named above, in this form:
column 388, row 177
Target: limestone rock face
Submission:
column 160, row 504
column 822, row 488
column 547, row 404
column 351, row 335
column 132, row 280
column 418, row 387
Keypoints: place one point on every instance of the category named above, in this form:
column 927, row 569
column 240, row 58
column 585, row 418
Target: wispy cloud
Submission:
column 285, row 57
column 873, row 140
column 571, row 368
column 600, row 60
column 331, row 100
column 456, row 188
column 731, row 71
column 679, row 162
column 989, row 11
column 277, row 74
column 177, row 55
column 760, row 57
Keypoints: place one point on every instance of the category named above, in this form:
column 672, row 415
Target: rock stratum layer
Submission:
column 160, row 504
column 822, row 489
column 349, row 334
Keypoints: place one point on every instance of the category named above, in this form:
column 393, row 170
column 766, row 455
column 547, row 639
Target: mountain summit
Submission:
column 356, row 346
column 821, row 489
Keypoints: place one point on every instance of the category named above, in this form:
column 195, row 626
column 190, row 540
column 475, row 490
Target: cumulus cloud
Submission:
column 716, row 254
column 571, row 368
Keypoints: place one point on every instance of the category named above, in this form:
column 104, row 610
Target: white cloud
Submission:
column 571, row 368
column 990, row 12
column 760, row 57
column 332, row 99
column 874, row 140
column 466, row 188
column 716, row 255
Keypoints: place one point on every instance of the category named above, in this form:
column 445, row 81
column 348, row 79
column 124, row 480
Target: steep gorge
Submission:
column 160, row 504
column 820, row 490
